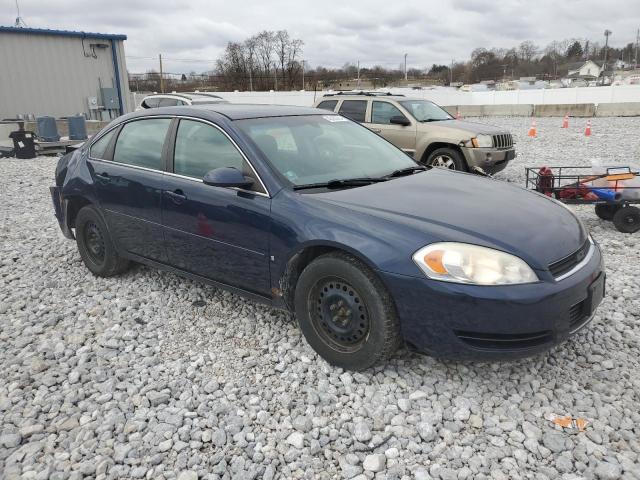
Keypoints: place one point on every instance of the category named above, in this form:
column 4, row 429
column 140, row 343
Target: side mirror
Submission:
column 226, row 177
column 400, row 120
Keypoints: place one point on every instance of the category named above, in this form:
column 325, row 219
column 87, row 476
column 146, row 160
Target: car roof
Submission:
column 241, row 111
column 187, row 95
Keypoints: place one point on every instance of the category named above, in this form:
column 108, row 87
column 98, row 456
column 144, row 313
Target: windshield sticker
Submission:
column 334, row 118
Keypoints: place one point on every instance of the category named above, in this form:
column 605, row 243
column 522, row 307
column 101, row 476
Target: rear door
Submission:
column 356, row 110
column 219, row 233
column 403, row 137
column 127, row 170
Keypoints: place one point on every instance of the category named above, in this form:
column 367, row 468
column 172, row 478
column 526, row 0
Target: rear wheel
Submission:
column 627, row 219
column 447, row 158
column 95, row 245
column 345, row 312
column 606, row 212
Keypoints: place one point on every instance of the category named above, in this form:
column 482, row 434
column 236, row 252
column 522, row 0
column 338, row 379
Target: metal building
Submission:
column 61, row 73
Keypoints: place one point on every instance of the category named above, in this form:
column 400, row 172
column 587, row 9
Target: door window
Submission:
column 354, row 109
column 328, row 105
column 201, row 148
column 140, row 143
column 150, row 102
column 99, row 148
column 381, row 112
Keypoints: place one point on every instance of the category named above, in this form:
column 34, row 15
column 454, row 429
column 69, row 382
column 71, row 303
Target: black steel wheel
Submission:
column 627, row 219
column 345, row 312
column 340, row 316
column 95, row 246
column 606, row 211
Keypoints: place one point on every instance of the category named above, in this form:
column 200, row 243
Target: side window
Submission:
column 201, row 148
column 150, row 102
column 99, row 148
column 168, row 102
column 140, row 143
column 328, row 105
column 354, row 109
column 381, row 112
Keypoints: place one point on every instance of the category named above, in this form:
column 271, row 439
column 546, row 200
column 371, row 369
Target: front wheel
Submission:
column 346, row 313
column 95, row 245
column 447, row 158
column 627, row 219
column 606, row 211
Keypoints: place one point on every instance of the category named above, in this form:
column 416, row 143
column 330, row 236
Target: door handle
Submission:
column 177, row 196
column 103, row 176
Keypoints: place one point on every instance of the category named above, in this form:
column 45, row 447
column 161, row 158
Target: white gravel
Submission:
column 126, row 378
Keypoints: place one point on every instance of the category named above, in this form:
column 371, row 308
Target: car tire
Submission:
column 95, row 246
column 605, row 211
column 447, row 158
column 345, row 313
column 627, row 219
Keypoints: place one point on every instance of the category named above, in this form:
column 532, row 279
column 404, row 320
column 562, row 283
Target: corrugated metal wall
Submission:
column 50, row 75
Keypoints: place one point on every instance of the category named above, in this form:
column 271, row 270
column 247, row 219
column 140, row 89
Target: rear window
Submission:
column 354, row 109
column 99, row 148
column 328, row 105
column 150, row 102
column 169, row 102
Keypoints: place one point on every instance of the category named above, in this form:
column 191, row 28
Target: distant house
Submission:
column 589, row 70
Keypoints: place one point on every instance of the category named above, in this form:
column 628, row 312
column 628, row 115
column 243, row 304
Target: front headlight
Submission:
column 482, row 141
column 466, row 263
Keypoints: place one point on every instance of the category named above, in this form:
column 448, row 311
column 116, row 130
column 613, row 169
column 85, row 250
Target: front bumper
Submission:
column 491, row 160
column 495, row 323
column 60, row 205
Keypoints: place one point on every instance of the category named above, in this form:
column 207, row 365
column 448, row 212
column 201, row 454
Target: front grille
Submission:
column 504, row 140
column 577, row 315
column 564, row 265
column 502, row 341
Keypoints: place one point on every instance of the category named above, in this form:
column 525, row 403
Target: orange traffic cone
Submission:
column 532, row 130
column 587, row 131
column 565, row 122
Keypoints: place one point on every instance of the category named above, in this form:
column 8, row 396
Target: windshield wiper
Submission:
column 346, row 182
column 406, row 171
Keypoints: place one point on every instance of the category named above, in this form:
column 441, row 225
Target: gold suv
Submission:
column 425, row 131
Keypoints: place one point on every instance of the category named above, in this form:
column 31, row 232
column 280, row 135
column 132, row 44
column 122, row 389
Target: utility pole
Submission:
column 405, row 67
column 303, row 75
column 606, row 47
column 635, row 61
column 161, row 79
column 451, row 73
column 358, row 72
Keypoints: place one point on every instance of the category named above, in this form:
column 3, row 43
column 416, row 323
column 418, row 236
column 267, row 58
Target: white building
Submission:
column 61, row 73
column 588, row 70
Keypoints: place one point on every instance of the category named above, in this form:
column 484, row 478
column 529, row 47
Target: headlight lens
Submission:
column 466, row 263
column 484, row 141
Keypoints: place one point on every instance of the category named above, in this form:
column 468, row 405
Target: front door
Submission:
column 219, row 233
column 128, row 178
column 403, row 137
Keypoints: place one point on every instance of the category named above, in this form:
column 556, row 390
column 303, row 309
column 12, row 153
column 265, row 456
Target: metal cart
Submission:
column 611, row 194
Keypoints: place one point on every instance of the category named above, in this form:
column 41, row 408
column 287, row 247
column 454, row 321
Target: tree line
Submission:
column 272, row 60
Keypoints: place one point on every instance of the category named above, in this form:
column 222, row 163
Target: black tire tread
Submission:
column 115, row 264
column 392, row 332
column 620, row 223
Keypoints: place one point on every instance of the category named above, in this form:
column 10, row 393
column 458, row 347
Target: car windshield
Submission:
column 315, row 149
column 425, row 111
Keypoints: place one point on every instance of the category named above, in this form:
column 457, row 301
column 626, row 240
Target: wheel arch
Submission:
column 432, row 147
column 74, row 205
column 302, row 257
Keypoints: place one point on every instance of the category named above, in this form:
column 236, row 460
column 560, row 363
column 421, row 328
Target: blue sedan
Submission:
column 308, row 211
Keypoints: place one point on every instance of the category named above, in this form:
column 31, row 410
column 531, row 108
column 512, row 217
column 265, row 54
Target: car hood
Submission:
column 463, row 125
column 440, row 205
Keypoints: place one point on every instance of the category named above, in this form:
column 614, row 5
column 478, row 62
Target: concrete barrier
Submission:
column 560, row 110
column 631, row 109
column 470, row 110
column 507, row 110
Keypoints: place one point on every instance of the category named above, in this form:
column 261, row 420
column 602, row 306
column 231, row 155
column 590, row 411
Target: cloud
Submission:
column 191, row 35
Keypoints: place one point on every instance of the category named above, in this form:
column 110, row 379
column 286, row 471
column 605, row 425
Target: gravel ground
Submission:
column 153, row 376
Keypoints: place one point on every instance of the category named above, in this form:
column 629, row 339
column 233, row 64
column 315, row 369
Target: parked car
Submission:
column 308, row 211
column 174, row 99
column 425, row 131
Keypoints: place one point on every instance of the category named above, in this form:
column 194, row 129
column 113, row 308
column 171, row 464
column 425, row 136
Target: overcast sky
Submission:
column 191, row 34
